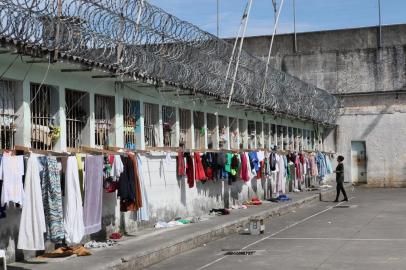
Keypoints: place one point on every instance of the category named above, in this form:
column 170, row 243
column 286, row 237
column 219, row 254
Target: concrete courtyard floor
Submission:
column 369, row 232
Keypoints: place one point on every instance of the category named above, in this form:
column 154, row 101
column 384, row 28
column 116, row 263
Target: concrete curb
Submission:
column 143, row 259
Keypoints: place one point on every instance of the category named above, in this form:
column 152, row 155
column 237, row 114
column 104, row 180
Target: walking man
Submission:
column 340, row 179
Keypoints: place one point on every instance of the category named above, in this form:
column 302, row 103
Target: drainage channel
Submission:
column 243, row 252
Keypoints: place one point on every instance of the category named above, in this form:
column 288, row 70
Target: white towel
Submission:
column 32, row 224
column 73, row 209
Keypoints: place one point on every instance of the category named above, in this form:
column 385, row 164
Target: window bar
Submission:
column 169, row 125
column 151, row 120
column 266, row 135
column 103, row 124
column 233, row 133
column 211, row 131
column 259, row 135
column 198, row 121
column 41, row 120
column 131, row 111
column 222, row 131
column 7, row 127
column 251, row 134
column 76, row 117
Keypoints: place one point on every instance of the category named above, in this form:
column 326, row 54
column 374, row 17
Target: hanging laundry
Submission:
column 221, row 163
column 81, row 166
column 281, row 183
column 321, row 166
column 234, row 167
column 52, row 197
column 254, row 162
column 126, row 190
column 199, row 170
column 130, row 195
column 260, row 156
column 227, row 166
column 208, row 165
column 180, row 164
column 32, row 223
column 328, row 164
column 244, row 175
column 272, row 161
column 313, row 166
column 143, row 213
column 73, row 209
column 190, row 170
column 93, row 194
column 251, row 171
column 11, row 172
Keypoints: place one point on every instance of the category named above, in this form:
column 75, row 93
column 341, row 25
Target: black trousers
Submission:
column 340, row 187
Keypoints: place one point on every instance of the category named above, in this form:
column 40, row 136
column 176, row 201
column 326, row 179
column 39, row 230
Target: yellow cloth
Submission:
column 81, row 165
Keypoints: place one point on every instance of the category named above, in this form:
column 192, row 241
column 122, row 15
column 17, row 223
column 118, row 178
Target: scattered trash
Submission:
column 239, row 207
column 220, row 212
column 94, row 244
column 115, row 236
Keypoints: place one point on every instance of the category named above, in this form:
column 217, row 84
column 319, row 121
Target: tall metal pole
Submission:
column 218, row 18
column 294, row 25
column 246, row 17
column 270, row 49
column 380, row 24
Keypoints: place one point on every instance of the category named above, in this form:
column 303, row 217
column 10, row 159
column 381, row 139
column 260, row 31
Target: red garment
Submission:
column 260, row 171
column 199, row 170
column 298, row 171
column 180, row 164
column 209, row 173
column 111, row 160
column 244, row 168
column 190, row 171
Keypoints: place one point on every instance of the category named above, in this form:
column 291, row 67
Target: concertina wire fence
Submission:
column 141, row 40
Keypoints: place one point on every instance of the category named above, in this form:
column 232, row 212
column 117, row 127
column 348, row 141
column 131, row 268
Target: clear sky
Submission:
column 311, row 15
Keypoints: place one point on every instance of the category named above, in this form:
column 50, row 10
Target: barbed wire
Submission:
column 142, row 40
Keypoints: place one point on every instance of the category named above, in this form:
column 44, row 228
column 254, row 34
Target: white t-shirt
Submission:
column 11, row 172
column 117, row 167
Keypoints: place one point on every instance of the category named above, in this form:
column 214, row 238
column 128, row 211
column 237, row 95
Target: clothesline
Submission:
column 124, row 151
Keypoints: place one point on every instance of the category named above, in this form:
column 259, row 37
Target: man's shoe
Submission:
column 345, row 200
column 335, row 201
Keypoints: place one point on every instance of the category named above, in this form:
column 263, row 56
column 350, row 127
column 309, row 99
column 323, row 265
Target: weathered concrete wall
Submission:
column 340, row 61
column 349, row 61
column 380, row 121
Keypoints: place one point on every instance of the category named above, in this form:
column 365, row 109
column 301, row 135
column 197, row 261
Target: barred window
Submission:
column 223, row 131
column 233, row 132
column 151, row 124
column 266, row 136
column 185, row 123
column 272, row 135
column 77, row 113
column 242, row 128
column 251, row 134
column 281, row 136
column 44, row 133
column 131, row 115
column 7, row 117
column 104, row 117
column 211, row 131
column 198, row 123
column 259, row 134
column 169, row 126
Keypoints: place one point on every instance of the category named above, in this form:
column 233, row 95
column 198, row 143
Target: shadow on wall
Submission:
column 9, row 227
column 211, row 189
column 182, row 186
column 376, row 121
column 108, row 217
